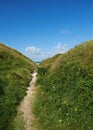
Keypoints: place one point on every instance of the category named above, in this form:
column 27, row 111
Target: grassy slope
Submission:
column 48, row 62
column 15, row 74
column 81, row 53
column 65, row 94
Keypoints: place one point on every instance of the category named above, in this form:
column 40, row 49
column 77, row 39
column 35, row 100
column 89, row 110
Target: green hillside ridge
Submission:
column 15, row 74
column 77, row 53
column 48, row 62
column 64, row 99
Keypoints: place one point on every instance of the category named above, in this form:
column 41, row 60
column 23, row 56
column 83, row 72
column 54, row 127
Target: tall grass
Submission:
column 15, row 74
column 64, row 98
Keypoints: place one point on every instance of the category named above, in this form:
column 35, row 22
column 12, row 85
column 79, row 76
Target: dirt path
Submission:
column 25, row 107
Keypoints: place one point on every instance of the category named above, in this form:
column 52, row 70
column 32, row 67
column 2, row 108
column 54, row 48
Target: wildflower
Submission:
column 67, row 114
column 60, row 120
column 42, row 93
column 75, row 109
column 59, row 109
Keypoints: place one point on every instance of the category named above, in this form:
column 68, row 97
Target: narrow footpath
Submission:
column 25, row 107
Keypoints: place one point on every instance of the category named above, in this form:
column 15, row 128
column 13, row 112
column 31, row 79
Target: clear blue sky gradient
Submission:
column 44, row 23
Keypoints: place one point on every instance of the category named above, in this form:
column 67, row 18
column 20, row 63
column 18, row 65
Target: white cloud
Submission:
column 32, row 50
column 64, row 31
column 59, row 48
column 38, row 54
column 34, row 53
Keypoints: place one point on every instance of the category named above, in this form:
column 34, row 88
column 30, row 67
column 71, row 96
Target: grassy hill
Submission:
column 15, row 74
column 47, row 63
column 65, row 90
column 81, row 53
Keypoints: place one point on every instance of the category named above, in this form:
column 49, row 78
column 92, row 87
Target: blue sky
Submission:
column 42, row 28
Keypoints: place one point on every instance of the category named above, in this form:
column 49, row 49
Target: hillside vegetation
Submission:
column 64, row 98
column 15, row 74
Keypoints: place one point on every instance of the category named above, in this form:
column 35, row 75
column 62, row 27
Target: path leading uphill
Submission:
column 25, row 107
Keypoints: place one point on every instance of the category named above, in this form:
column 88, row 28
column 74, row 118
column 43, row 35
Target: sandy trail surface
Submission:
column 25, row 106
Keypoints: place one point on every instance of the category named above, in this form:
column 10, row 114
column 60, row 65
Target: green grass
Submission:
column 15, row 74
column 19, row 123
column 64, row 99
